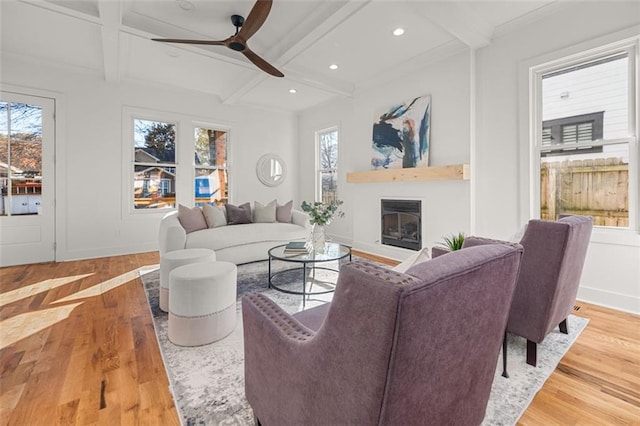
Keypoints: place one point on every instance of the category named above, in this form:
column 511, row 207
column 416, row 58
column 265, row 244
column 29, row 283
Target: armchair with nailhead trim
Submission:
column 391, row 348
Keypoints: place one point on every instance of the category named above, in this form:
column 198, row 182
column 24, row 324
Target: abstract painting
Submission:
column 401, row 135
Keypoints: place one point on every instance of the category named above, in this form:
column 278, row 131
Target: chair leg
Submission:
column 532, row 353
column 563, row 327
column 504, row 356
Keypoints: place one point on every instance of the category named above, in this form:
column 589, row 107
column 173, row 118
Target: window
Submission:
column 585, row 135
column 20, row 158
column 211, row 179
column 154, row 165
column 327, row 165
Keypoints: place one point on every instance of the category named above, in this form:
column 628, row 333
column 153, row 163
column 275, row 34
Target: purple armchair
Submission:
column 390, row 349
column 554, row 254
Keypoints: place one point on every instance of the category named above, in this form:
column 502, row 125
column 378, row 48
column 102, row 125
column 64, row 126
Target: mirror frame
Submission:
column 265, row 178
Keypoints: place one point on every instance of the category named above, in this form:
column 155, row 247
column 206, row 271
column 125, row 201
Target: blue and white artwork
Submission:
column 401, row 135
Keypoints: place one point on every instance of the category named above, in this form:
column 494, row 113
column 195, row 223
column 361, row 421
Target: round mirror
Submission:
column 271, row 170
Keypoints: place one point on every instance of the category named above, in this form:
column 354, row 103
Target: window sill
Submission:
column 615, row 236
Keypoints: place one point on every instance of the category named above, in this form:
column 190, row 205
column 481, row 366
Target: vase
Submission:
column 317, row 238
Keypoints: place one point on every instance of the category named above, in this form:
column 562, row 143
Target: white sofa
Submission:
column 234, row 243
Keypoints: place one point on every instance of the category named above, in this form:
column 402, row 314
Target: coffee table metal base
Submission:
column 308, row 268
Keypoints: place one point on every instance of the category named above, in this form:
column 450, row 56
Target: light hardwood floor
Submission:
column 77, row 346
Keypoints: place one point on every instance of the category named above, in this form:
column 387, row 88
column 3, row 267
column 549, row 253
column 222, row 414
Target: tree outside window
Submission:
column 211, row 178
column 328, row 165
column 20, row 158
column 154, row 168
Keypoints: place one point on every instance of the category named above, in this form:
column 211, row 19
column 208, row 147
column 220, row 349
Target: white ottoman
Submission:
column 202, row 302
column 173, row 259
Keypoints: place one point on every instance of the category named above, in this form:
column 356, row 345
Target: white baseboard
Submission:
column 608, row 299
column 82, row 254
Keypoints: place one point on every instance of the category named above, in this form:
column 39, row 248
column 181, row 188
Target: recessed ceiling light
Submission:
column 333, row 66
column 185, row 4
column 293, row 91
column 398, row 32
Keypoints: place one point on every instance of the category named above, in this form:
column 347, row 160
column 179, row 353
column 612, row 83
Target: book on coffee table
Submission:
column 296, row 247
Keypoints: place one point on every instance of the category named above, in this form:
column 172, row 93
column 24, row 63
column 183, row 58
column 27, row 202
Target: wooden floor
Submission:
column 77, row 346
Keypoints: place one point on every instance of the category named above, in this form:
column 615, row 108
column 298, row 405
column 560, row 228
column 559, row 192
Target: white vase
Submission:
column 317, row 238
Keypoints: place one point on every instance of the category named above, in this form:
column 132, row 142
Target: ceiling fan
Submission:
column 245, row 28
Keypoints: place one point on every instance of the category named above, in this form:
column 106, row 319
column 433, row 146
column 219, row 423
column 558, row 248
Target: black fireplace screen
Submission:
column 402, row 223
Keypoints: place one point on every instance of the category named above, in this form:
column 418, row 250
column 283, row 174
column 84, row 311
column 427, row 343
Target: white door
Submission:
column 27, row 172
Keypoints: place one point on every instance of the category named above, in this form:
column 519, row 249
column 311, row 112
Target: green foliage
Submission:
column 161, row 136
column 454, row 242
column 322, row 213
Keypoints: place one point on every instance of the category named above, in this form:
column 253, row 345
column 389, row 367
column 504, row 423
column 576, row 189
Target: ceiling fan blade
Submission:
column 177, row 40
column 256, row 18
column 261, row 63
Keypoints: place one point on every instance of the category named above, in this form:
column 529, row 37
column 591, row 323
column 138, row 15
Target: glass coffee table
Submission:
column 307, row 263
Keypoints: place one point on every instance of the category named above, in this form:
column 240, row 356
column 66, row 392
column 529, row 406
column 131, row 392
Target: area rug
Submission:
column 208, row 381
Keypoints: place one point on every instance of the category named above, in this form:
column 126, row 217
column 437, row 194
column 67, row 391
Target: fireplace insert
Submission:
column 401, row 223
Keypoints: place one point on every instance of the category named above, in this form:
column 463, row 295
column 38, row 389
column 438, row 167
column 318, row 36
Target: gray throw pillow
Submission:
column 191, row 219
column 237, row 215
column 264, row 213
column 215, row 215
column 283, row 213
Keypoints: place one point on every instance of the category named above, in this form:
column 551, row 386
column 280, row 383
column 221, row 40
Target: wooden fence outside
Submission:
column 597, row 188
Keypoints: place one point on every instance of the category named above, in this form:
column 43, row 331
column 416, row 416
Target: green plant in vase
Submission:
column 320, row 215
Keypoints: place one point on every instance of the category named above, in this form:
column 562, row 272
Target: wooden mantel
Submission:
column 417, row 174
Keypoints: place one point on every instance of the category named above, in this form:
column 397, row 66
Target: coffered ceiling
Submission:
column 300, row 37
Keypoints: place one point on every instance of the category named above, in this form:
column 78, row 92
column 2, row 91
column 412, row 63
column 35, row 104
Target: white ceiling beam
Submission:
column 458, row 19
column 312, row 37
column 111, row 20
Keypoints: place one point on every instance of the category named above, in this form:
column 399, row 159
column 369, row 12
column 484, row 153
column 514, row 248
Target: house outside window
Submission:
column 154, row 166
column 584, row 140
column 327, row 165
column 20, row 159
column 211, row 178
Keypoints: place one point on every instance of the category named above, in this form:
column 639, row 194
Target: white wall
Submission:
column 91, row 220
column 611, row 276
column 446, row 205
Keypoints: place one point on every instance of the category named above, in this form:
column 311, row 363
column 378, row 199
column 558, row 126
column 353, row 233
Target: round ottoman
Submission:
column 173, row 259
column 202, row 302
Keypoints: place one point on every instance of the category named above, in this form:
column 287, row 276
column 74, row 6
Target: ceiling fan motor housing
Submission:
column 237, row 21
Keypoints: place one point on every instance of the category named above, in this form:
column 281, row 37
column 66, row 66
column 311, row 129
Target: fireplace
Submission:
column 402, row 223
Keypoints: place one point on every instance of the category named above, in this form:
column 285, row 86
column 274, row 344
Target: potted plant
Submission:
column 450, row 243
column 320, row 215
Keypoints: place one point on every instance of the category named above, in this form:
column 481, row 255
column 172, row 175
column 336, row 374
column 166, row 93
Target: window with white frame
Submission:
column 211, row 179
column 327, row 165
column 584, row 144
column 154, row 164
column 155, row 141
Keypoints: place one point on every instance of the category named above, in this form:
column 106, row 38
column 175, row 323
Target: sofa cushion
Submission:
column 264, row 213
column 215, row 215
column 283, row 213
column 237, row 235
column 237, row 215
column 191, row 219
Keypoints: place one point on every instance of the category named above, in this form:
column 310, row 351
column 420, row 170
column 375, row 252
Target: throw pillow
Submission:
column 414, row 259
column 264, row 213
column 283, row 213
column 237, row 215
column 191, row 219
column 215, row 215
